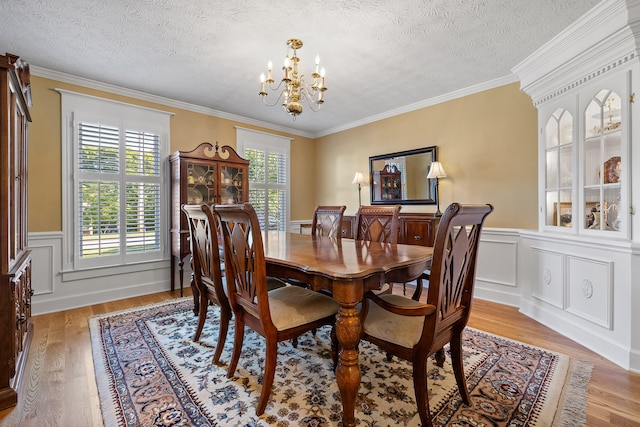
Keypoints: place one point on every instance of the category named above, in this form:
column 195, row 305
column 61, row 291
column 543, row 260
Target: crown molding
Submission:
column 602, row 40
column 491, row 84
column 143, row 96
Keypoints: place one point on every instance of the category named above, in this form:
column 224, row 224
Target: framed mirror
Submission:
column 401, row 178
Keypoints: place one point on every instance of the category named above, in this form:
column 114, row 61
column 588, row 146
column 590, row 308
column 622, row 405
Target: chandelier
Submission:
column 293, row 87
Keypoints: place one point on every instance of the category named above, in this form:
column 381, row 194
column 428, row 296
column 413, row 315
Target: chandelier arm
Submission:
column 264, row 100
column 275, row 88
column 304, row 94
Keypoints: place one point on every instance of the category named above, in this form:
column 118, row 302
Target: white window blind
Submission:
column 268, row 157
column 117, row 183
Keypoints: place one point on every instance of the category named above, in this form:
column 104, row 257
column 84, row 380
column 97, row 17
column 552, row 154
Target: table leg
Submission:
column 348, row 331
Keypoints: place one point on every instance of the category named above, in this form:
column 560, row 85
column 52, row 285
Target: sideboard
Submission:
column 414, row 228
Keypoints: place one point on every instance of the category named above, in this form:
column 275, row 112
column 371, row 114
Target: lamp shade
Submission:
column 436, row 171
column 359, row 178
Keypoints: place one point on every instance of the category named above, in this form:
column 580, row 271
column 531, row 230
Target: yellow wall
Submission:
column 188, row 129
column 486, row 142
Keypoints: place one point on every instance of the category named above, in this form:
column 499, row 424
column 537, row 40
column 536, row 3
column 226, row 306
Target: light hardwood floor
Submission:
column 59, row 387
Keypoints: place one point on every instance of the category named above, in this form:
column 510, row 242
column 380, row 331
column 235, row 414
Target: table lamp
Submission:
column 359, row 179
column 436, row 171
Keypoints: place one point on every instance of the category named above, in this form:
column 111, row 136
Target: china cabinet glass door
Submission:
column 559, row 149
column 201, row 182
column 232, row 184
column 603, row 162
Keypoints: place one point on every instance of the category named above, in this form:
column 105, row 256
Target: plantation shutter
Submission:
column 268, row 187
column 118, row 191
column 98, row 190
column 142, row 198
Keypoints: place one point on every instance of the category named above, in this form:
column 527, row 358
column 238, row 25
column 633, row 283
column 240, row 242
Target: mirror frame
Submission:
column 432, row 185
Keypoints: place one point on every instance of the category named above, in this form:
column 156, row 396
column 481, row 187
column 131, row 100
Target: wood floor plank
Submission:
column 59, row 388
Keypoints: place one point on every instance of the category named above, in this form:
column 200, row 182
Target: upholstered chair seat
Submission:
column 292, row 306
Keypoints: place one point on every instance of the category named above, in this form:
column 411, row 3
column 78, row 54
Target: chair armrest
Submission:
column 413, row 310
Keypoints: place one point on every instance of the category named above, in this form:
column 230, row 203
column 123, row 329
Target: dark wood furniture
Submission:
column 207, row 275
column 327, row 221
column 16, row 329
column 205, row 175
column 414, row 228
column 274, row 314
column 389, row 321
column 387, row 184
column 348, row 268
column 377, row 223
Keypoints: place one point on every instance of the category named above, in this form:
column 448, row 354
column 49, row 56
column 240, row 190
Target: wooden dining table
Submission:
column 348, row 268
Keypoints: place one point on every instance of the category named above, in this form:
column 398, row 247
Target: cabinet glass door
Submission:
column 201, row 182
column 603, row 162
column 558, row 134
column 232, row 184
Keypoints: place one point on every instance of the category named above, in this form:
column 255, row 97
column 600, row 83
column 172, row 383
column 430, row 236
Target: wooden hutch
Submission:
column 205, row 175
column 16, row 329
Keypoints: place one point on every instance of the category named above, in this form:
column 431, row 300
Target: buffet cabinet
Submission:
column 16, row 329
column 206, row 175
column 414, row 228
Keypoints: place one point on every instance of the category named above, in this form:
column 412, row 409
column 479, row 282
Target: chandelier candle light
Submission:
column 436, row 171
column 293, row 87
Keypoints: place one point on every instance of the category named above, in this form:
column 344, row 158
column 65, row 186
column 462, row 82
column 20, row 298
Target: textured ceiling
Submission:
column 379, row 55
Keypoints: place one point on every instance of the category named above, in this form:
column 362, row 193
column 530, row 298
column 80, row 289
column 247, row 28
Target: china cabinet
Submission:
column 16, row 329
column 581, row 269
column 205, row 175
column 387, row 183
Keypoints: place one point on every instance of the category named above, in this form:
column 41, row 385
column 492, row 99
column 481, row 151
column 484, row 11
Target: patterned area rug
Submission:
column 150, row 373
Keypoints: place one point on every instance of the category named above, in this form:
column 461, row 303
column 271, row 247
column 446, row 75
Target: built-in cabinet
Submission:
column 16, row 329
column 205, row 175
column 414, row 228
column 583, row 151
column 581, row 269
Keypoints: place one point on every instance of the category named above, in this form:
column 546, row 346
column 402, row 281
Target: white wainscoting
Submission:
column 583, row 288
column 497, row 269
column 55, row 290
column 583, row 291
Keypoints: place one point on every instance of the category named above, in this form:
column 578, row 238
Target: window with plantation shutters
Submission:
column 268, row 157
column 116, row 186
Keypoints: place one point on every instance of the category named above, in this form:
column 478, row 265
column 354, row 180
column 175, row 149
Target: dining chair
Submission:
column 278, row 315
column 412, row 330
column 378, row 224
column 207, row 276
column 327, row 221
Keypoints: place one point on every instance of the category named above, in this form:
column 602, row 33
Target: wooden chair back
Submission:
column 207, row 279
column 245, row 264
column 205, row 256
column 453, row 271
column 327, row 221
column 378, row 223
